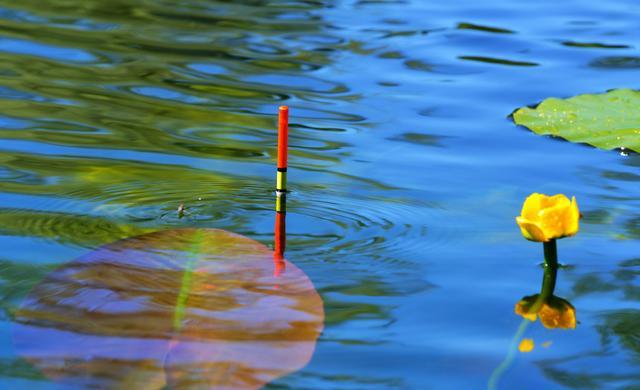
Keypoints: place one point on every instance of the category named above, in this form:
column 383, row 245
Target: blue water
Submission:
column 405, row 169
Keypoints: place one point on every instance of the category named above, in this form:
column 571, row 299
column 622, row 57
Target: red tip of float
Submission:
column 280, row 244
column 280, row 239
column 283, row 136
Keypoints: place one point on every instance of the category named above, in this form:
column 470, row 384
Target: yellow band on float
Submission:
column 281, row 181
column 281, row 202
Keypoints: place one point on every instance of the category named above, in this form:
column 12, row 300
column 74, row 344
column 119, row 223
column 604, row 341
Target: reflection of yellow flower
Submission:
column 554, row 313
column 526, row 345
column 544, row 218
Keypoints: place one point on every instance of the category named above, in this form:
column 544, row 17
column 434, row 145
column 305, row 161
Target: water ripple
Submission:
column 402, row 229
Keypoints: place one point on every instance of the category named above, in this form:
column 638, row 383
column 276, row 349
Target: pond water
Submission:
column 405, row 170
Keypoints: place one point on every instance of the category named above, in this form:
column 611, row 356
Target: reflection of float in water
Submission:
column 179, row 309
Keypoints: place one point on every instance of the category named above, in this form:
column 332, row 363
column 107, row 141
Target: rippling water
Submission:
column 406, row 172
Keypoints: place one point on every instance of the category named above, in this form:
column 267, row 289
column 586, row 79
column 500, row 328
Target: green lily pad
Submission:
column 607, row 121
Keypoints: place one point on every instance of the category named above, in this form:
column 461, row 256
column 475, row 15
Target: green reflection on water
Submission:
column 618, row 329
column 73, row 229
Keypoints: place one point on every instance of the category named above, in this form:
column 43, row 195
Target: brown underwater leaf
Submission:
column 183, row 309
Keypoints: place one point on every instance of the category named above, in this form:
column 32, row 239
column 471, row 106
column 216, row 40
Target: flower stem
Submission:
column 550, row 274
column 551, row 254
column 550, row 269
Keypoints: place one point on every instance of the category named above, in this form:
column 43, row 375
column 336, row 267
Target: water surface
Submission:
column 406, row 172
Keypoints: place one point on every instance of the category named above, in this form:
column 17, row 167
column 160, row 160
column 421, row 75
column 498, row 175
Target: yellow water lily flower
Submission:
column 555, row 313
column 545, row 218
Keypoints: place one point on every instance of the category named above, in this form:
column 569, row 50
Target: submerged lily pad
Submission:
column 178, row 309
column 606, row 121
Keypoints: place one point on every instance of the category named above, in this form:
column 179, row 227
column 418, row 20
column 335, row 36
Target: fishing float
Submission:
column 280, row 230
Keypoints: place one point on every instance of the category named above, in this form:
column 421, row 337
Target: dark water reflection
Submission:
column 405, row 172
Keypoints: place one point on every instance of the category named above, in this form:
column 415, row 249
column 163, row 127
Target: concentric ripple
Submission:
column 393, row 230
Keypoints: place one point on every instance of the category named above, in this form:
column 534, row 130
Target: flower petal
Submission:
column 531, row 230
column 531, row 206
column 556, row 200
column 552, row 220
column 572, row 219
